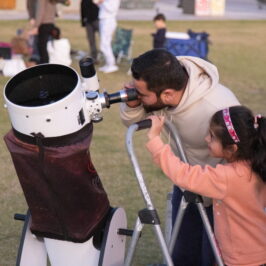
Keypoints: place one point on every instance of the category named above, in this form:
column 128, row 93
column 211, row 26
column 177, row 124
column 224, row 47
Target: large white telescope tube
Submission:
column 49, row 99
column 46, row 99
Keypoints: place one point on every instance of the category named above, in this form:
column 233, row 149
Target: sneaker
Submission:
column 110, row 69
column 103, row 68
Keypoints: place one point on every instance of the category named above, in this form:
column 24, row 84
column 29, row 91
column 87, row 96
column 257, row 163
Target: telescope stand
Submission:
column 189, row 197
column 149, row 215
column 107, row 249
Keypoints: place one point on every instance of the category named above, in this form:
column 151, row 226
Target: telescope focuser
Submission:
column 96, row 101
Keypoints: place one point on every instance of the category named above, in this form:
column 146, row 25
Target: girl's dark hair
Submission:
column 160, row 70
column 252, row 136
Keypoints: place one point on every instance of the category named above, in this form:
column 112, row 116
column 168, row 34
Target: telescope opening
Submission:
column 41, row 85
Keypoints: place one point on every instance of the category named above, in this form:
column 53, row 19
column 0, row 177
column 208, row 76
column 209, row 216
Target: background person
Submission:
column 42, row 14
column 238, row 188
column 31, row 8
column 159, row 36
column 45, row 14
column 107, row 16
column 33, row 39
column 187, row 92
column 89, row 19
column 59, row 49
column 44, row 23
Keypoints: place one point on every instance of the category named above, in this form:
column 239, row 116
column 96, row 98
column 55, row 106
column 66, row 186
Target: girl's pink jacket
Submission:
column 239, row 202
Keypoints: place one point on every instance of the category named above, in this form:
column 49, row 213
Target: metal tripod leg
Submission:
column 148, row 215
column 206, row 223
column 210, row 234
column 179, row 217
column 133, row 243
column 135, row 237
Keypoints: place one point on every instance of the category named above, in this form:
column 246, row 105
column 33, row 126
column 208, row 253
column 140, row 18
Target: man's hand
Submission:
column 135, row 103
column 156, row 126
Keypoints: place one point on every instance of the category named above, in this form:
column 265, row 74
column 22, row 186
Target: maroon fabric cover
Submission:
column 65, row 196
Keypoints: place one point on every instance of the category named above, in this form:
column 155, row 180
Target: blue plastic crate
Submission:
column 196, row 45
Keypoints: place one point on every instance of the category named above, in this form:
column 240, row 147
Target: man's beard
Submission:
column 155, row 107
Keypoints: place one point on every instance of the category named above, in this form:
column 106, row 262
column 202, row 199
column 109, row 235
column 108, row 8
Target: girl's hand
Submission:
column 156, row 127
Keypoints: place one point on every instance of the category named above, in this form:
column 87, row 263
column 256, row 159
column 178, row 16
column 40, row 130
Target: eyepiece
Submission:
column 87, row 67
column 131, row 94
column 120, row 96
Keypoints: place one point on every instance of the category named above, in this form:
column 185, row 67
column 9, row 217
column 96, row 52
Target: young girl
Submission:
column 238, row 188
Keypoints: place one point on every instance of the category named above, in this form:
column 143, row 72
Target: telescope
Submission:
column 52, row 99
column 52, row 110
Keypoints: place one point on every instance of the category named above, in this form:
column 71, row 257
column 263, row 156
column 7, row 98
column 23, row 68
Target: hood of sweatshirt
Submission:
column 203, row 77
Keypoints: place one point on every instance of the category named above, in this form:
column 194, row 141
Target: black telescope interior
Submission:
column 41, row 85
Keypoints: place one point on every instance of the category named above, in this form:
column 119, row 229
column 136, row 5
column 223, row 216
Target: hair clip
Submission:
column 256, row 118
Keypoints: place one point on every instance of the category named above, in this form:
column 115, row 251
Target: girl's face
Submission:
column 215, row 146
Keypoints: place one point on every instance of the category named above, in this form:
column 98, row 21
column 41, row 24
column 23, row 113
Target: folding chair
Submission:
column 122, row 44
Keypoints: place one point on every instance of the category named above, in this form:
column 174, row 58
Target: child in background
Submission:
column 238, row 188
column 159, row 36
column 58, row 49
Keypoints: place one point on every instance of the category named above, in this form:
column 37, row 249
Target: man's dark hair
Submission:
column 160, row 70
column 159, row 16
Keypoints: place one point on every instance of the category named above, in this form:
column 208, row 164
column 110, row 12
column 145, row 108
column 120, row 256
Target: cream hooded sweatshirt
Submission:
column 203, row 96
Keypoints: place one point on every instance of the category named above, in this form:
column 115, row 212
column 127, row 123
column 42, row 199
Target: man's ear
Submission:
column 168, row 96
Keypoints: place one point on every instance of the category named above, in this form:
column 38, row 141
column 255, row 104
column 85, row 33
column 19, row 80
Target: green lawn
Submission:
column 237, row 49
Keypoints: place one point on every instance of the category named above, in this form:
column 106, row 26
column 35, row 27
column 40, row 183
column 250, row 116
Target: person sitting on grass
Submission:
column 58, row 48
column 159, row 36
column 238, row 188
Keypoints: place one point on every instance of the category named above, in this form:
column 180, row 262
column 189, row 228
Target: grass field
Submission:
column 237, row 49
